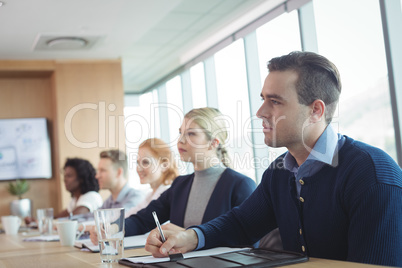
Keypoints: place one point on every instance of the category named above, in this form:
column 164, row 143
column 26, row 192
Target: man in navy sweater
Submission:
column 331, row 196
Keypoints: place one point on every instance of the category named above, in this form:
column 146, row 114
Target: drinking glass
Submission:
column 45, row 220
column 110, row 228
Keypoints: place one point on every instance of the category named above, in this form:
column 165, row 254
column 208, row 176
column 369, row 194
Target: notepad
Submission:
column 221, row 257
column 47, row 238
column 198, row 253
column 136, row 241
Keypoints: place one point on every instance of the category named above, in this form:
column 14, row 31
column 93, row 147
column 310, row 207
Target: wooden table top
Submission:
column 14, row 252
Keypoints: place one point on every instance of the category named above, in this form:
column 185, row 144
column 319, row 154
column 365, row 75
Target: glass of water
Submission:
column 110, row 227
column 45, row 220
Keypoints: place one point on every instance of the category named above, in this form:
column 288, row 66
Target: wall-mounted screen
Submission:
column 25, row 149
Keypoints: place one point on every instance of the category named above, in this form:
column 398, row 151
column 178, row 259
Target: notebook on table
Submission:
column 231, row 258
column 136, row 241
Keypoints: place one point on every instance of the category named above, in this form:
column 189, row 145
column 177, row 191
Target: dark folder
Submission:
column 246, row 258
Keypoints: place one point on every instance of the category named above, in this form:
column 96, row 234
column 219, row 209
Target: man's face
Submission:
column 106, row 174
column 282, row 114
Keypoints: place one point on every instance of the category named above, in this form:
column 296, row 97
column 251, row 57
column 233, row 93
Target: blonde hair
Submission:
column 214, row 124
column 164, row 155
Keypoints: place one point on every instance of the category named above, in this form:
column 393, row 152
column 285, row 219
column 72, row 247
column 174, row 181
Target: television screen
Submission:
column 24, row 149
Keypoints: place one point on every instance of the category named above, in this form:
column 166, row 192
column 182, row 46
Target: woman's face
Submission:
column 148, row 168
column 71, row 180
column 193, row 145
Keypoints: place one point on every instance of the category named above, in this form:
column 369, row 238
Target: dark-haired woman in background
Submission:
column 80, row 181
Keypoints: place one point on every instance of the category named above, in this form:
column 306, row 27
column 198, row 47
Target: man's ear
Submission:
column 119, row 172
column 317, row 111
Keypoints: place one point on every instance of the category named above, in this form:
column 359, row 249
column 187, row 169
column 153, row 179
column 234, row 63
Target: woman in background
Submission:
column 155, row 166
column 80, row 181
column 210, row 191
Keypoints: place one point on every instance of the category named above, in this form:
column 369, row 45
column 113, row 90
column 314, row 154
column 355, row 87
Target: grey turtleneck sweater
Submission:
column 200, row 193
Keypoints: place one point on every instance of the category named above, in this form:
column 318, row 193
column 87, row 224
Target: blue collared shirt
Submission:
column 127, row 198
column 323, row 153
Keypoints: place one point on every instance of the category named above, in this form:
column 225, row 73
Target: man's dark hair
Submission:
column 318, row 78
column 85, row 174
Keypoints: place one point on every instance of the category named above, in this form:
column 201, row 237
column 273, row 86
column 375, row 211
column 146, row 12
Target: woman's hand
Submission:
column 93, row 235
column 28, row 220
column 176, row 241
column 172, row 227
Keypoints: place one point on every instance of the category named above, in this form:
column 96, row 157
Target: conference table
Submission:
column 14, row 252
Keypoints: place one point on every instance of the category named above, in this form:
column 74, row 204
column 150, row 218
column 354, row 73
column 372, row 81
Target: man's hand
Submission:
column 176, row 241
column 93, row 235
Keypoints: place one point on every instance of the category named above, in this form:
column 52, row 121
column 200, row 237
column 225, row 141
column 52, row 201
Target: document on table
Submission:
column 48, row 238
column 198, row 253
column 136, row 241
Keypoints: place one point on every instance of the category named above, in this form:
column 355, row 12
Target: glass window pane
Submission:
column 233, row 96
column 175, row 114
column 198, row 85
column 356, row 47
column 276, row 38
column 175, row 108
column 140, row 124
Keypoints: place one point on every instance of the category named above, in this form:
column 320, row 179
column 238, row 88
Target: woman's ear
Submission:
column 214, row 144
column 164, row 166
column 317, row 111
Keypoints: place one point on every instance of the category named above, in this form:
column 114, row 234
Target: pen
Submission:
column 159, row 226
column 172, row 257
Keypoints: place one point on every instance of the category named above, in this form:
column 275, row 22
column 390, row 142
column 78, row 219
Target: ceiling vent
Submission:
column 65, row 42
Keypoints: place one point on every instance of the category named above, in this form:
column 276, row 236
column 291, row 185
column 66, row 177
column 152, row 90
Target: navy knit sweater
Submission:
column 350, row 212
column 231, row 190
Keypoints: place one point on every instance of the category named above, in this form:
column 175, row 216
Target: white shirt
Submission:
column 148, row 198
column 91, row 200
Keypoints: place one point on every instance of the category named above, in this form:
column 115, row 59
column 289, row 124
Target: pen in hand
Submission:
column 159, row 226
column 173, row 257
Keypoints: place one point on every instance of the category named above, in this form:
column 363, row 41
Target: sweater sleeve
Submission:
column 243, row 225
column 143, row 222
column 243, row 189
column 374, row 202
column 375, row 230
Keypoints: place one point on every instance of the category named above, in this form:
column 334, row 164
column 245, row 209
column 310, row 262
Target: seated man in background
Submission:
column 331, row 196
column 112, row 175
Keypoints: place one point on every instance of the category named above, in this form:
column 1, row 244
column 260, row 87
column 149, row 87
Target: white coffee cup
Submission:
column 11, row 224
column 67, row 231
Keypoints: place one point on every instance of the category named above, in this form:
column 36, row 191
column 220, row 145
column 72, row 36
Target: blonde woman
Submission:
column 155, row 166
column 213, row 189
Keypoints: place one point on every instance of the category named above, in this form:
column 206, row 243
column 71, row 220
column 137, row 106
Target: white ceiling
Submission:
column 151, row 37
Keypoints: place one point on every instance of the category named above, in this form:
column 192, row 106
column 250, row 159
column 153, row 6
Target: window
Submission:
column 276, row 38
column 175, row 108
column 233, row 97
column 175, row 114
column 356, row 47
column 141, row 123
column 198, row 85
